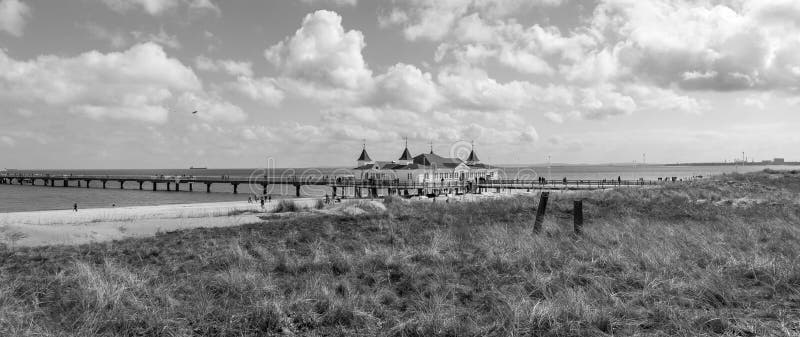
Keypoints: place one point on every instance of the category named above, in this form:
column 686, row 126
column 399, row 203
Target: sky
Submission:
column 303, row 83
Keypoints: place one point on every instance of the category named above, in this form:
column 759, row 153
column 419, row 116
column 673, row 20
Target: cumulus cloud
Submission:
column 744, row 45
column 13, row 15
column 528, row 50
column 434, row 20
column 231, row 67
column 323, row 54
column 472, row 88
column 135, row 84
column 406, row 86
column 261, row 90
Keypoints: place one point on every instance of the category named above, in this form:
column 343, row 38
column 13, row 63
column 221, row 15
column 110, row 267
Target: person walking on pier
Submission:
column 75, row 207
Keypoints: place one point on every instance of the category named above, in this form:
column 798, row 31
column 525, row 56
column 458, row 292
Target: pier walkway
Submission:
column 341, row 186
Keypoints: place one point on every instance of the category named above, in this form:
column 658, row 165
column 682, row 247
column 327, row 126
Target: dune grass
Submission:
column 680, row 260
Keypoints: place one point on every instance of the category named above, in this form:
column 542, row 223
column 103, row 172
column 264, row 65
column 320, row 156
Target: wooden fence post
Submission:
column 540, row 210
column 577, row 216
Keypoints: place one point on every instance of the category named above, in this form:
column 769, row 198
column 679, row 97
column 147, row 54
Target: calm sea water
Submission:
column 15, row 198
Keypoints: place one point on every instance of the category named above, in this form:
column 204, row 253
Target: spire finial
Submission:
column 363, row 143
column 406, row 139
column 431, row 146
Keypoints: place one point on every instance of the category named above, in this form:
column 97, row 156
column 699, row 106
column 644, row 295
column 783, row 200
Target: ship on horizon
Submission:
column 198, row 168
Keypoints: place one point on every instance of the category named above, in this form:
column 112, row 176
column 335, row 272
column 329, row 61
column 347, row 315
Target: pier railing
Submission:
column 334, row 182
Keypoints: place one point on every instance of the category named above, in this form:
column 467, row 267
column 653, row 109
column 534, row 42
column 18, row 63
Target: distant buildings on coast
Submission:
column 744, row 161
column 425, row 167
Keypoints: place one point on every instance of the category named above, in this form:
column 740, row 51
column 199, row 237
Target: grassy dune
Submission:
column 717, row 257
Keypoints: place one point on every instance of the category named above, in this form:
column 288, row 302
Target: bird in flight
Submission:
column 194, row 112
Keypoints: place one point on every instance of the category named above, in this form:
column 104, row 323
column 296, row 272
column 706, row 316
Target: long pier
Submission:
column 341, row 186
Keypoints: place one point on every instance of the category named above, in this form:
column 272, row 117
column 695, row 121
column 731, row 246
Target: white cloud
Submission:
column 554, row 117
column 152, row 7
column 210, row 108
column 434, row 20
column 322, row 54
column 161, row 38
column 115, row 38
column 665, row 100
column 332, row 2
column 159, row 7
column 27, row 113
column 231, row 67
column 472, row 88
column 13, row 14
column 406, row 86
column 722, row 46
column 237, row 68
column 262, row 90
column 119, row 39
column 133, row 84
column 395, row 17
column 8, row 141
column 603, row 101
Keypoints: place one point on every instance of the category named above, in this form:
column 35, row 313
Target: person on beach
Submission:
column 269, row 198
column 75, row 207
column 249, row 200
column 262, row 203
column 327, row 199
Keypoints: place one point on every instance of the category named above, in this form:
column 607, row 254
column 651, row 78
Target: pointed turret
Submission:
column 406, row 157
column 364, row 158
column 473, row 157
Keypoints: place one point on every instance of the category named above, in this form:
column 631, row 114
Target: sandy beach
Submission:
column 105, row 224
column 66, row 227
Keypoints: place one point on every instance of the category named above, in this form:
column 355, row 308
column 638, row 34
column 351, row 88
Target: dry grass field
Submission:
column 719, row 257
